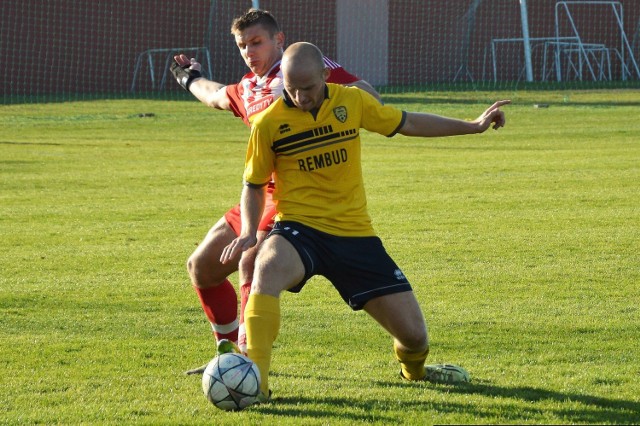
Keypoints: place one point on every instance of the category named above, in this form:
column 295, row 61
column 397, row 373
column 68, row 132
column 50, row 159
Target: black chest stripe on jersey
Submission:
column 315, row 146
column 311, row 139
column 296, row 137
column 280, row 143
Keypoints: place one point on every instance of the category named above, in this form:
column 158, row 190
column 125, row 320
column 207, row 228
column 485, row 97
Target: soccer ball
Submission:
column 231, row 382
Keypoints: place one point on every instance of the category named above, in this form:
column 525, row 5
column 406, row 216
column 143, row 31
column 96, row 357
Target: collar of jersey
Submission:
column 273, row 72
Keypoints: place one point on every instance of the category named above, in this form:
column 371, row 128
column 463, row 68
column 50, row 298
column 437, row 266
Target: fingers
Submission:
column 195, row 65
column 497, row 117
column 499, row 120
column 235, row 249
column 182, row 60
column 498, row 104
column 185, row 62
column 230, row 252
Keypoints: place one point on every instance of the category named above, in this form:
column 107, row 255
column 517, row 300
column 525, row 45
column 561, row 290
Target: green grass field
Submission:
column 522, row 245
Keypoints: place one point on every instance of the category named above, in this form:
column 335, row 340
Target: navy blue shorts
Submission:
column 358, row 267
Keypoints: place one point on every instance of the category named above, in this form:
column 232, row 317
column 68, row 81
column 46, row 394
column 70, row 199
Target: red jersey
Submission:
column 253, row 94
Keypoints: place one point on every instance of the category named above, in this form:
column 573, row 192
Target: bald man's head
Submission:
column 301, row 56
column 304, row 75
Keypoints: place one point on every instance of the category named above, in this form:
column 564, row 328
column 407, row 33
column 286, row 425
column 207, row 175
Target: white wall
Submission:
column 362, row 32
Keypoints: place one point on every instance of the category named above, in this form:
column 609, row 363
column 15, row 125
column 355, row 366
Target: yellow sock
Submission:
column 411, row 364
column 262, row 322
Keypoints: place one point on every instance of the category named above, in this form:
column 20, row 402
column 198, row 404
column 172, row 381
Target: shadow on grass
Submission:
column 313, row 409
column 513, row 404
column 596, row 409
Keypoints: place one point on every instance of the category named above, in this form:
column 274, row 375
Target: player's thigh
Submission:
column 278, row 267
column 207, row 254
column 401, row 316
column 249, row 256
column 247, row 261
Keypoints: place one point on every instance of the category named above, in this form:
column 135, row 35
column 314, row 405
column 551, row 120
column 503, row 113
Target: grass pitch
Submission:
column 522, row 246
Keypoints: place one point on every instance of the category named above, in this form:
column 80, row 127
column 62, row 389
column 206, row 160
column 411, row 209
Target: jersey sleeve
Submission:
column 260, row 160
column 382, row 119
column 234, row 93
column 338, row 74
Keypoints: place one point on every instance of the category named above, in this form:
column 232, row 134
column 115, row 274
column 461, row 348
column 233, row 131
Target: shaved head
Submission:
column 301, row 57
column 304, row 74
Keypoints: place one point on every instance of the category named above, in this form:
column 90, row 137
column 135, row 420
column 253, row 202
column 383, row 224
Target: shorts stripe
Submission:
column 379, row 289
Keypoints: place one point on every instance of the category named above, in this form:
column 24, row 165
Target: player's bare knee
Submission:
column 200, row 272
column 414, row 339
column 195, row 262
column 192, row 269
column 191, row 266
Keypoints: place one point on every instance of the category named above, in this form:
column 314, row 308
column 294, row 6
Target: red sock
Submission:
column 245, row 289
column 220, row 305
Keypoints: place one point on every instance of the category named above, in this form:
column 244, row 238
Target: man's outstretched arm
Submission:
column 187, row 73
column 431, row 125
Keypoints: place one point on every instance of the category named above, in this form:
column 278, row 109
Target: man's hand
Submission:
column 185, row 71
column 492, row 115
column 236, row 247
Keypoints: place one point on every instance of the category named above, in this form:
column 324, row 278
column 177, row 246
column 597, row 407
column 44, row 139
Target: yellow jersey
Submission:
column 316, row 158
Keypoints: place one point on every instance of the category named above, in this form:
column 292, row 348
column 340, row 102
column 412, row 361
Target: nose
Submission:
column 301, row 97
column 248, row 51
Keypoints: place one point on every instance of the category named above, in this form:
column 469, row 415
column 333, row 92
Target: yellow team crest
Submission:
column 340, row 113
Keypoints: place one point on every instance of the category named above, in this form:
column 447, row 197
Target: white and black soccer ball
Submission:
column 231, row 382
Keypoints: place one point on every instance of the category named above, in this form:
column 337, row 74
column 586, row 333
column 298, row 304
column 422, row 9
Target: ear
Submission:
column 279, row 37
column 326, row 73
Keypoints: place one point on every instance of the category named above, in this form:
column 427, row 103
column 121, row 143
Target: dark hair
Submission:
column 255, row 17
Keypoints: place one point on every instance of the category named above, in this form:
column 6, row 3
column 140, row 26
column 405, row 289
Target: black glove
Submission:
column 184, row 76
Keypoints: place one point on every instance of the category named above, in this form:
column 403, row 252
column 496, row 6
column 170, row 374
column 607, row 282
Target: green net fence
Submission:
column 100, row 49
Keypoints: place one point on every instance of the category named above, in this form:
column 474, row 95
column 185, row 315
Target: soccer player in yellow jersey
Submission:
column 260, row 42
column 310, row 141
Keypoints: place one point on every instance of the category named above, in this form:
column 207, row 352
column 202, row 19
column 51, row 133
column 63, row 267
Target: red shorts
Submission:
column 266, row 223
